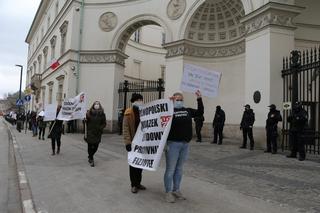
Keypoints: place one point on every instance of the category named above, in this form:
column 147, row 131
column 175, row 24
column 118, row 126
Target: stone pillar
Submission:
column 174, row 67
column 100, row 75
column 270, row 37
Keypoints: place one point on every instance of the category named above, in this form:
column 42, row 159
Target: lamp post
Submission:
column 21, row 68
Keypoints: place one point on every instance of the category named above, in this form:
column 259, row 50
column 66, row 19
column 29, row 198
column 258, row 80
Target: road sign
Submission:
column 287, row 105
column 19, row 102
column 27, row 98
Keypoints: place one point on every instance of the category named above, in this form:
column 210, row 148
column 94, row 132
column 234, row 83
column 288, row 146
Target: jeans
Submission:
column 53, row 143
column 42, row 131
column 176, row 155
column 34, row 129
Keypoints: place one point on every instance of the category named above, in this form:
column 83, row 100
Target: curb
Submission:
column 26, row 198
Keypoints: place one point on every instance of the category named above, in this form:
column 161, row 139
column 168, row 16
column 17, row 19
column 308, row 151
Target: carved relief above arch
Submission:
column 122, row 35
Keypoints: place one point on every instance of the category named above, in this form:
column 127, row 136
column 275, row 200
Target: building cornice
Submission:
column 271, row 14
column 187, row 48
column 104, row 57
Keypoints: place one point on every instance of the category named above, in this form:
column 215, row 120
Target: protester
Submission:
column 274, row 117
column 298, row 121
column 20, row 121
column 131, row 122
column 95, row 123
column 33, row 119
column 178, row 145
column 218, row 124
column 199, row 123
column 246, row 125
column 70, row 126
column 55, row 131
column 41, row 125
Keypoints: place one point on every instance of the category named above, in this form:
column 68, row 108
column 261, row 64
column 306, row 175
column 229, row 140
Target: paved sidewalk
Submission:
column 219, row 179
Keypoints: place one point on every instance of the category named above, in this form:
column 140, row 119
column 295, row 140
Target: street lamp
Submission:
column 21, row 68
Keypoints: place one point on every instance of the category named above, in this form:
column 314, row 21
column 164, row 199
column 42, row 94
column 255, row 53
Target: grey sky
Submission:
column 15, row 20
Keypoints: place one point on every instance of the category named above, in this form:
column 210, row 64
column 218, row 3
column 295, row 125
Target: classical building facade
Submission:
column 93, row 45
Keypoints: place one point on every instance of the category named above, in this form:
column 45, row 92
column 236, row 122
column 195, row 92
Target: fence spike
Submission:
column 307, row 56
column 311, row 55
column 287, row 66
column 315, row 54
column 303, row 57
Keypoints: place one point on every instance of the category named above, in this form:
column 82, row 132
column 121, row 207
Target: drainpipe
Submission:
column 79, row 46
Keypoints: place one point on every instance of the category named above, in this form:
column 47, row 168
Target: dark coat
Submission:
column 274, row 117
column 96, row 121
column 248, row 119
column 298, row 120
column 56, row 127
column 41, row 122
column 219, row 118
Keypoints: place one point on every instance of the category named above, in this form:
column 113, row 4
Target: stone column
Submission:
column 101, row 73
column 270, row 37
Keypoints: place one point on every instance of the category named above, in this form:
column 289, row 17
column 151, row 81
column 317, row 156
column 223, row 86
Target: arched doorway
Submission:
column 141, row 39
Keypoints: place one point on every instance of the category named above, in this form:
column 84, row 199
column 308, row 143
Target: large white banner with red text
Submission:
column 152, row 133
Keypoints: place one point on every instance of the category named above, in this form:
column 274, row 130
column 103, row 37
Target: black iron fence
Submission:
column 301, row 83
column 150, row 90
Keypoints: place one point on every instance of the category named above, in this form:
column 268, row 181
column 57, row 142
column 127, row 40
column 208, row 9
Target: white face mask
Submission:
column 137, row 103
column 96, row 106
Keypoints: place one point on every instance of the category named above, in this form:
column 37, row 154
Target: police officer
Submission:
column 274, row 117
column 218, row 124
column 199, row 123
column 298, row 120
column 246, row 125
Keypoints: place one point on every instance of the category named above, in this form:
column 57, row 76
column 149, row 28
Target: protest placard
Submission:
column 73, row 108
column 198, row 78
column 50, row 112
column 152, row 133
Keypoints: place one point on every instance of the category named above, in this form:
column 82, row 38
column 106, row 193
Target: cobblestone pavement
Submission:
column 274, row 178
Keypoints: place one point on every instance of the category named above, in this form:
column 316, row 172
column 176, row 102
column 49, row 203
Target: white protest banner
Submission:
column 73, row 108
column 198, row 78
column 50, row 112
column 151, row 135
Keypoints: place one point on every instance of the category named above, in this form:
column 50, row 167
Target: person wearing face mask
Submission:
column 298, row 121
column 95, row 122
column 178, row 145
column 246, row 125
column 131, row 122
column 274, row 117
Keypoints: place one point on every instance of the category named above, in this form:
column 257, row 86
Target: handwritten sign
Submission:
column 198, row 78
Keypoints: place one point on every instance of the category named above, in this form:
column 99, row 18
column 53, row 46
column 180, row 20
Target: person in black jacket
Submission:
column 274, row 117
column 55, row 131
column 178, row 144
column 218, row 124
column 298, row 121
column 246, row 126
column 96, row 121
column 199, row 123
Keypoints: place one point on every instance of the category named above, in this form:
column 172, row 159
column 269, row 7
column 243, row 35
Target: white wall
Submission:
column 231, row 90
column 151, row 59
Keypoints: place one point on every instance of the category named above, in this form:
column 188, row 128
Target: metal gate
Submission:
column 301, row 83
column 150, row 90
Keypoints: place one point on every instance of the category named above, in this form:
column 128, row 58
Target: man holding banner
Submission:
column 178, row 144
column 131, row 122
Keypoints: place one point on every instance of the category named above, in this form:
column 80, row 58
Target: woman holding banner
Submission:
column 178, row 144
column 95, row 123
column 55, row 131
column 131, row 122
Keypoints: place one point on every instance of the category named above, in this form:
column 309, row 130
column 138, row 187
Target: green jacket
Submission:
column 96, row 121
